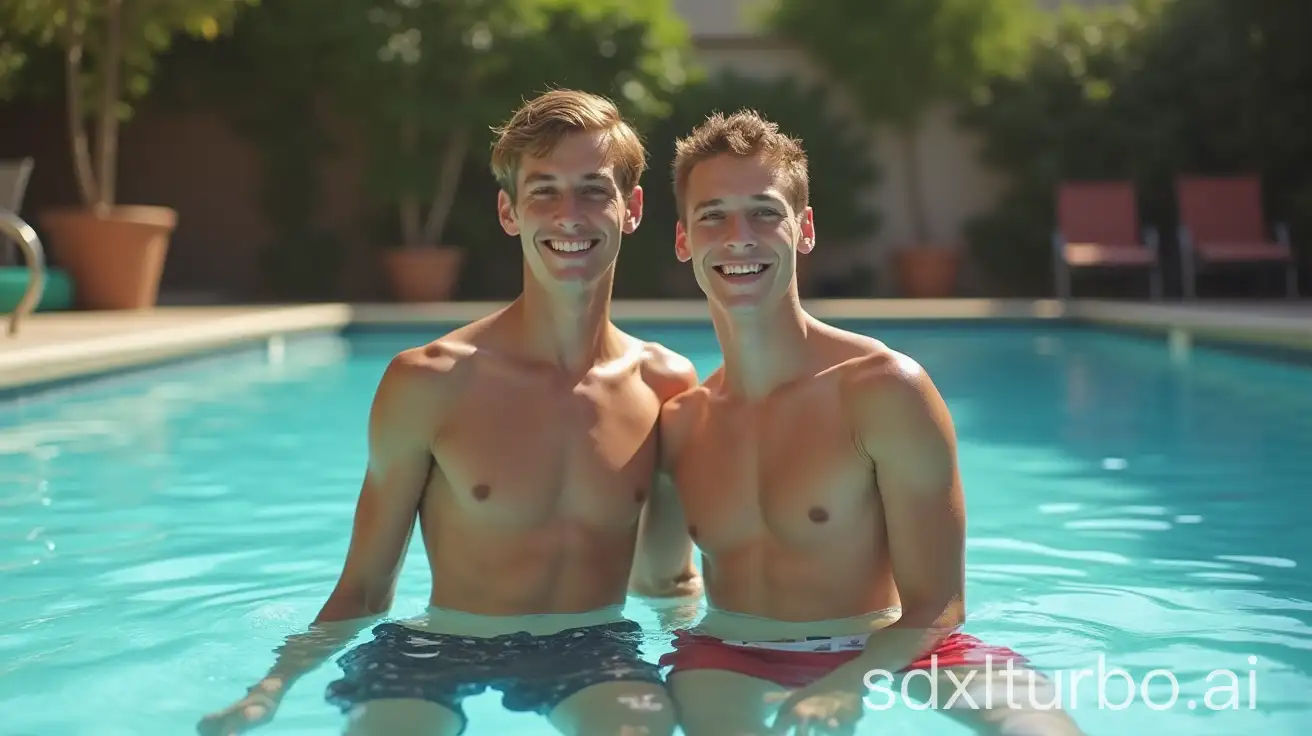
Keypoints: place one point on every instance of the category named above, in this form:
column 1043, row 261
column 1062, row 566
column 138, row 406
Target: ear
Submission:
column 506, row 213
column 807, row 242
column 633, row 211
column 681, row 250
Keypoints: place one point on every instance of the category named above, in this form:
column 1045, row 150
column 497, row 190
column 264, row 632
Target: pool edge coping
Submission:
column 57, row 363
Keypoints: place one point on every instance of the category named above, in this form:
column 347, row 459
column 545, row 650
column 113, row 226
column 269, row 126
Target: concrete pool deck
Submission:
column 59, row 346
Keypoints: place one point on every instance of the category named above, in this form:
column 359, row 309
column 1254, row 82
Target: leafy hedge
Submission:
column 1146, row 91
column 436, row 69
column 284, row 68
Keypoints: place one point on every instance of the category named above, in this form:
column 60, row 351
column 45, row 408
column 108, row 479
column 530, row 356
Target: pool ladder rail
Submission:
column 20, row 232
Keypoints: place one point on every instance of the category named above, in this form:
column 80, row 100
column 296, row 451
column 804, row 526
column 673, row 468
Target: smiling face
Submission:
column 742, row 235
column 569, row 211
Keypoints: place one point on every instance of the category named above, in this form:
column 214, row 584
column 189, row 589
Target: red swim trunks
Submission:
column 796, row 669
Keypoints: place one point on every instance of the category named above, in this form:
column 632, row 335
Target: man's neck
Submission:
column 763, row 350
column 571, row 331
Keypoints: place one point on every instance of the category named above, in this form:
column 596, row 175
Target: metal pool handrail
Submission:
column 17, row 229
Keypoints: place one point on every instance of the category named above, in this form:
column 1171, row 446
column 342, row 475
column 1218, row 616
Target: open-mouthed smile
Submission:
column 742, row 272
column 572, row 248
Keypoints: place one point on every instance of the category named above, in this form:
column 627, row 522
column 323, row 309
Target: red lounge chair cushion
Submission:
column 1106, row 254
column 1242, row 251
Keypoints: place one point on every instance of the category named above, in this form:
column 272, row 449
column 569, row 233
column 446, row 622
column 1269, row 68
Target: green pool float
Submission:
column 58, row 294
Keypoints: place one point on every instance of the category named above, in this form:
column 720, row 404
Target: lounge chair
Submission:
column 1222, row 223
column 1098, row 228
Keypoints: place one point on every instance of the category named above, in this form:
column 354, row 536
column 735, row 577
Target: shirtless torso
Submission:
column 817, row 470
column 535, row 481
column 540, row 507
column 829, row 511
column 526, row 445
column 780, row 497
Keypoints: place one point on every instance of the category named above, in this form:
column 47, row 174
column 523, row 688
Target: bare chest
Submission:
column 524, row 453
column 790, row 473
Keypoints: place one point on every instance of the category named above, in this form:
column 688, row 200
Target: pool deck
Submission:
column 63, row 345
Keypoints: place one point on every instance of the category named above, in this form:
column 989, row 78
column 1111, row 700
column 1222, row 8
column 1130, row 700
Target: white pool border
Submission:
column 1287, row 327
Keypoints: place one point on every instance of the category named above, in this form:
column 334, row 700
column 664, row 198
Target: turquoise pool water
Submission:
column 161, row 533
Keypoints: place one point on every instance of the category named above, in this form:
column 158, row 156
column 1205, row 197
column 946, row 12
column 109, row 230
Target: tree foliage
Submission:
column 433, row 76
column 110, row 48
column 1145, row 91
column 900, row 57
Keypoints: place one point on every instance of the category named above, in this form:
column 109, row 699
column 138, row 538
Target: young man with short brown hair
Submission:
column 818, row 474
column 526, row 446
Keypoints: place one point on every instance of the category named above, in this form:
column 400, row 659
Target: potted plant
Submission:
column 114, row 253
column 898, row 58
column 436, row 75
column 420, row 94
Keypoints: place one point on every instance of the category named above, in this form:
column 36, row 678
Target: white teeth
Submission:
column 570, row 246
column 741, row 268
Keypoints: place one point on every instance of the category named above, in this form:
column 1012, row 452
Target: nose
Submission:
column 567, row 213
column 741, row 237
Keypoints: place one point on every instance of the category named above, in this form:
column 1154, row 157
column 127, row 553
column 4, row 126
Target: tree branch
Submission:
column 448, row 182
column 109, row 99
column 73, row 46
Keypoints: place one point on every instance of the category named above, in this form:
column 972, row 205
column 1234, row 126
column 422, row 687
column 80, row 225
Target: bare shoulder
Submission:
column 420, row 380
column 883, row 373
column 673, row 378
column 894, row 407
column 667, row 373
column 428, row 367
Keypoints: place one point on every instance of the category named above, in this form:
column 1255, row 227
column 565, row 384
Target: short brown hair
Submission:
column 744, row 133
column 541, row 123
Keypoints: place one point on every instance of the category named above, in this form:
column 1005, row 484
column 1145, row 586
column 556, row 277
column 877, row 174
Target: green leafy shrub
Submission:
column 899, row 58
column 436, row 75
column 1145, row 91
column 110, row 50
column 421, row 84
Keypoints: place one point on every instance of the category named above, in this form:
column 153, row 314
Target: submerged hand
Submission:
column 819, row 711
column 252, row 711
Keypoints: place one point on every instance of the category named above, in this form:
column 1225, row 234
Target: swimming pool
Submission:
column 162, row 532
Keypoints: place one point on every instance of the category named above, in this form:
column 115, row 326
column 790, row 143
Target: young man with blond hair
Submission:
column 818, row 475
column 526, row 446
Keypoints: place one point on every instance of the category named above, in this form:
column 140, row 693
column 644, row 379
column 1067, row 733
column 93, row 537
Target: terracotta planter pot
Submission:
column 423, row 274
column 115, row 260
column 928, row 273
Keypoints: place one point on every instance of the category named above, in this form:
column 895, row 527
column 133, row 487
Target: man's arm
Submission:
column 402, row 424
column 904, row 428
column 663, row 561
column 405, row 411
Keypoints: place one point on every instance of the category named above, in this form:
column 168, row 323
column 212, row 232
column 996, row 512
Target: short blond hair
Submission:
column 538, row 126
column 744, row 133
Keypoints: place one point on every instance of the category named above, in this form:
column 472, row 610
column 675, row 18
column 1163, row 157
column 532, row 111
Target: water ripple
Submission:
column 161, row 537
